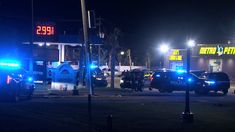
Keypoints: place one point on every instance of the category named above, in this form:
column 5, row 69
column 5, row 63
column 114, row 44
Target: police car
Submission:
column 15, row 82
column 169, row 81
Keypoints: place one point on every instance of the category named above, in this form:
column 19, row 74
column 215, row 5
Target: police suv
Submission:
column 15, row 82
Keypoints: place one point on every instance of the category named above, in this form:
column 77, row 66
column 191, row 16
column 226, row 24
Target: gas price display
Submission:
column 45, row 30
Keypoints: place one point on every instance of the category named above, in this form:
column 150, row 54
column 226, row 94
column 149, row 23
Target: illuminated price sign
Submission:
column 45, row 30
column 175, row 56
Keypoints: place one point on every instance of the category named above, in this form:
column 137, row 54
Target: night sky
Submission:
column 145, row 23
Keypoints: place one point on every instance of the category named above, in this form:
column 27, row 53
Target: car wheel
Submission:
column 169, row 91
column 197, row 92
column 161, row 90
column 201, row 92
column 225, row 91
column 29, row 97
column 15, row 97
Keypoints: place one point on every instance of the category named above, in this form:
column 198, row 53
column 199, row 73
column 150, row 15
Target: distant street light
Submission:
column 48, row 44
column 191, row 43
column 187, row 115
column 122, row 53
column 41, row 44
column 164, row 48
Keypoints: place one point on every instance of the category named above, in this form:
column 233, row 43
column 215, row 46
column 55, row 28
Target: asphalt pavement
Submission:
column 70, row 113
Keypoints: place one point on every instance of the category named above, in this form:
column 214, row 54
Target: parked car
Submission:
column 15, row 84
column 98, row 78
column 107, row 72
column 216, row 81
column 169, row 81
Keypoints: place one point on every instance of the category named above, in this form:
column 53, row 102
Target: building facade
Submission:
column 206, row 57
column 214, row 58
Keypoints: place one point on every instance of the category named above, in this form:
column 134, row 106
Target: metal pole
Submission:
column 187, row 109
column 187, row 115
column 87, row 54
column 99, row 56
column 32, row 38
column 109, row 123
column 130, row 61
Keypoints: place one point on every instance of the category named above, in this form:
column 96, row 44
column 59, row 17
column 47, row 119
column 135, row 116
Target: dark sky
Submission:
column 145, row 23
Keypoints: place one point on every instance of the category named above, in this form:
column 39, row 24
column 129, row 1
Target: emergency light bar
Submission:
column 92, row 66
column 9, row 64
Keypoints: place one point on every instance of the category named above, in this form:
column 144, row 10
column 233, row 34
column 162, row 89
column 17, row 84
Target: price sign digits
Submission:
column 45, row 30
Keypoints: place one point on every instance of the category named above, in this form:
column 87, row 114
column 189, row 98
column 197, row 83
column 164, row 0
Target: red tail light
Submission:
column 9, row 79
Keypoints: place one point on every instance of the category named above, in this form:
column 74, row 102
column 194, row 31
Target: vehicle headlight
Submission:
column 98, row 78
column 211, row 82
column 121, row 81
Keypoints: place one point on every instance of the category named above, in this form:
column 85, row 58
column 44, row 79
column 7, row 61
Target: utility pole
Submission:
column 86, row 42
column 87, row 54
column 187, row 115
column 129, row 56
column 32, row 38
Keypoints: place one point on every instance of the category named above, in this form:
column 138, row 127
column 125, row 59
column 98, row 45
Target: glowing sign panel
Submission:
column 229, row 50
column 45, row 30
column 217, row 50
column 175, row 56
column 207, row 50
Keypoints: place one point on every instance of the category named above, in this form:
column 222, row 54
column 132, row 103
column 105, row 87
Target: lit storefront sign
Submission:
column 175, row 55
column 217, row 50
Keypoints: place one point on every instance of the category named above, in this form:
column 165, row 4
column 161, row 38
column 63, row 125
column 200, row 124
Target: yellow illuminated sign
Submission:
column 207, row 51
column 229, row 51
column 175, row 52
column 219, row 50
column 175, row 56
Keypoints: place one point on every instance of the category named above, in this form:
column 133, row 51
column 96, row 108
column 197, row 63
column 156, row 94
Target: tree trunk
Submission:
column 81, row 69
column 112, row 67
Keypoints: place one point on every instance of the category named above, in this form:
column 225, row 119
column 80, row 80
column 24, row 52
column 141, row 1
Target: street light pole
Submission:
column 187, row 115
column 32, row 38
column 187, row 108
column 164, row 48
column 87, row 55
column 129, row 56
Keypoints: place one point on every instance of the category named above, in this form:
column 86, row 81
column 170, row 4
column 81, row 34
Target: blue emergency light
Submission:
column 9, row 64
column 180, row 71
column 190, row 80
column 30, row 79
column 92, row 66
